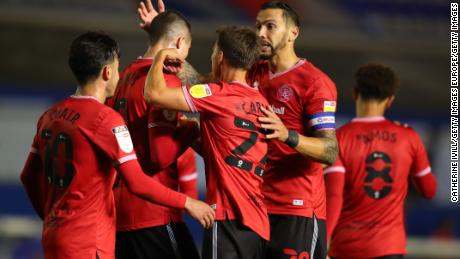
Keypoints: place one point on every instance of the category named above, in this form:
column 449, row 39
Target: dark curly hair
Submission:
column 375, row 82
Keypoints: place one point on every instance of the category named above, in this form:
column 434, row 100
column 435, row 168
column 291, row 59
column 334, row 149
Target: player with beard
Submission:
column 303, row 102
column 302, row 116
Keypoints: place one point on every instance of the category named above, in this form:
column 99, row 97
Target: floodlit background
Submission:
column 411, row 36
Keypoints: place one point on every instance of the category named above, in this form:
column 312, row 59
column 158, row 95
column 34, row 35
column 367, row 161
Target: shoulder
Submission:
column 345, row 129
column 312, row 81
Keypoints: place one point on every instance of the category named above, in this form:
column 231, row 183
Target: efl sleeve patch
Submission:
column 329, row 106
column 322, row 120
column 123, row 138
column 200, row 91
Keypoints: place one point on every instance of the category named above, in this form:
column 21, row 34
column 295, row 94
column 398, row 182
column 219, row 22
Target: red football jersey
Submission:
column 78, row 141
column 144, row 123
column 188, row 176
column 305, row 100
column 377, row 157
column 234, row 150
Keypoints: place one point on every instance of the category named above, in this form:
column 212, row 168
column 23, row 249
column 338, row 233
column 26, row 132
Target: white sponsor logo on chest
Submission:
column 278, row 110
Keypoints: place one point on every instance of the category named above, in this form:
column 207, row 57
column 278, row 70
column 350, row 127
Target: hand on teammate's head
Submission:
column 171, row 59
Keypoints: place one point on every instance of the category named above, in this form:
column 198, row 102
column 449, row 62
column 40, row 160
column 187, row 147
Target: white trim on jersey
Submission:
column 188, row 177
column 334, row 169
column 84, row 97
column 188, row 99
column 126, row 159
column 423, row 172
column 300, row 63
column 369, row 119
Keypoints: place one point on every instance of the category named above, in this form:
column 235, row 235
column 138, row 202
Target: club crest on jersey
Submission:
column 170, row 115
column 200, row 91
column 285, row 93
column 123, row 138
column 329, row 106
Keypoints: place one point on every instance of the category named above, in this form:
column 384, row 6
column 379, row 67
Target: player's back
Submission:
column 234, row 150
column 133, row 212
column 79, row 206
column 378, row 156
column 130, row 103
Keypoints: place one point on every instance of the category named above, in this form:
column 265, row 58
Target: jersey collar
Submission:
column 298, row 64
column 244, row 84
column 84, row 97
column 369, row 119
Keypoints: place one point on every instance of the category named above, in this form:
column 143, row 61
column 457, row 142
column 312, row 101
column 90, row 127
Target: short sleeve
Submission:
column 186, row 166
column 320, row 101
column 204, row 97
column 420, row 165
column 113, row 138
column 337, row 167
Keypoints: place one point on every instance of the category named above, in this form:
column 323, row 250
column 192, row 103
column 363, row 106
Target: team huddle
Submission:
column 111, row 168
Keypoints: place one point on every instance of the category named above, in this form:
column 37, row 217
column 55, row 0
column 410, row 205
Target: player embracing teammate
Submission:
column 267, row 125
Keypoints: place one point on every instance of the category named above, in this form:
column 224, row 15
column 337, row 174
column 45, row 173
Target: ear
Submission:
column 293, row 33
column 389, row 102
column 179, row 43
column 220, row 57
column 106, row 73
column 355, row 94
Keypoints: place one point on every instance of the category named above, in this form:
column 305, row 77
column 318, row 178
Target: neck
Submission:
column 152, row 51
column 369, row 108
column 91, row 89
column 283, row 60
column 234, row 74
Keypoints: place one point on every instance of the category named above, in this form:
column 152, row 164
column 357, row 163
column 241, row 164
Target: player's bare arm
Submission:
column 189, row 76
column 156, row 92
column 322, row 147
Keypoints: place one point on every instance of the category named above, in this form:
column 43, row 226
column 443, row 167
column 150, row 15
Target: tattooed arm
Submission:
column 322, row 147
column 189, row 76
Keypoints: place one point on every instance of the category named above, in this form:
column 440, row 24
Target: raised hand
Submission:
column 200, row 211
column 147, row 12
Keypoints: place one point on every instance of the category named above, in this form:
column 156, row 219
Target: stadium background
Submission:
column 412, row 36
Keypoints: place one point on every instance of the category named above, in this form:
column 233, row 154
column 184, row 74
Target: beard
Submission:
column 273, row 48
column 269, row 55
